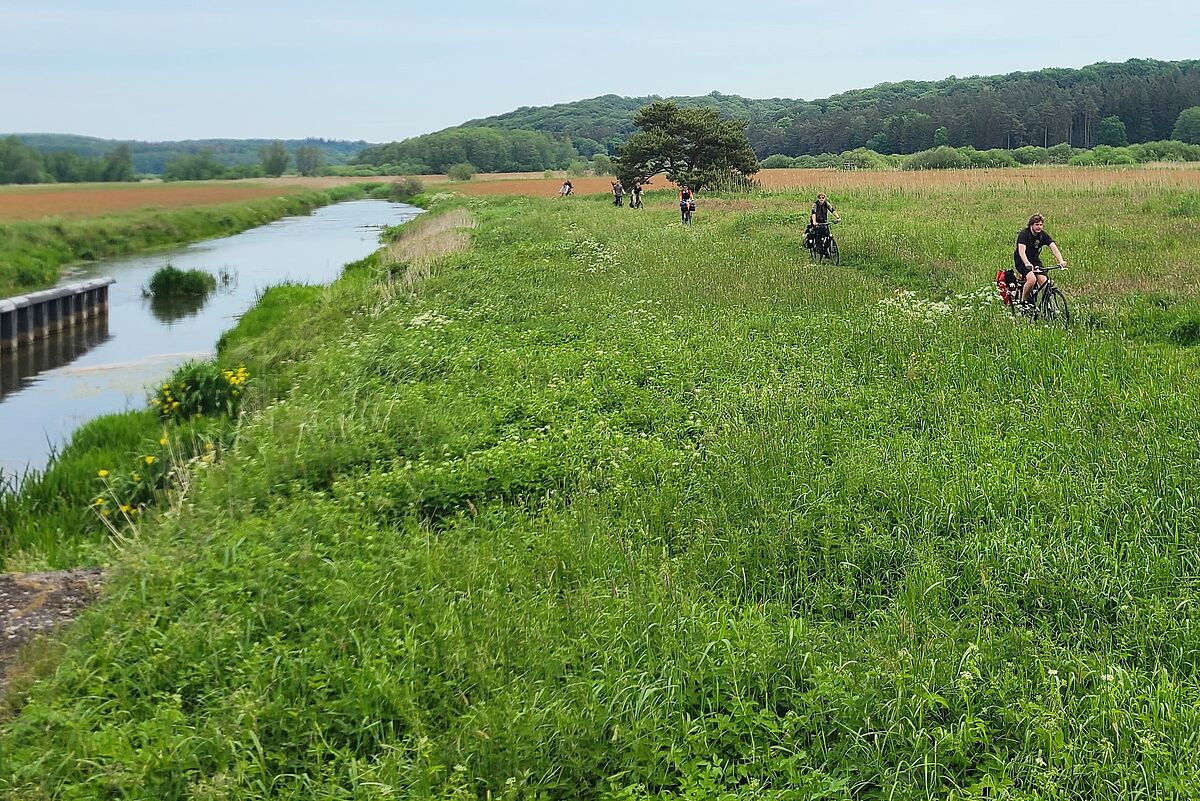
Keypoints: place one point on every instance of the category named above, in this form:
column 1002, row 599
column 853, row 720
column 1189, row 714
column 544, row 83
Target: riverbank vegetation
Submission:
column 551, row 499
column 33, row 252
column 170, row 281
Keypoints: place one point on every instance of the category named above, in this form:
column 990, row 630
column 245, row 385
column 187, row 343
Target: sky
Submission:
column 381, row 72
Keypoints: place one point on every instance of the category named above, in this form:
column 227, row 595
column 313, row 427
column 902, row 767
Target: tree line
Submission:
column 21, row 164
column 1021, row 109
column 486, row 149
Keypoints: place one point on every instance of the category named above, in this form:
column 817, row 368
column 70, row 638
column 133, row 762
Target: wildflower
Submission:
column 99, row 502
column 149, row 459
column 102, row 473
column 162, row 441
column 126, row 508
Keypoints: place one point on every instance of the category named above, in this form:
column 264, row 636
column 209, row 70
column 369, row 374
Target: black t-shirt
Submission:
column 1033, row 244
column 821, row 211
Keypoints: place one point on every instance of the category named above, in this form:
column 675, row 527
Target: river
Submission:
column 49, row 389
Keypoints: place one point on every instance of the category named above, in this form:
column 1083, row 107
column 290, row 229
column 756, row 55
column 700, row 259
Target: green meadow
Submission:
column 553, row 500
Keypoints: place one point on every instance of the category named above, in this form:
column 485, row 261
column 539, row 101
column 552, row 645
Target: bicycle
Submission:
column 824, row 246
column 686, row 207
column 1046, row 301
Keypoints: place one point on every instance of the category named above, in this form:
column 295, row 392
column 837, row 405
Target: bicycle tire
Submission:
column 835, row 256
column 1054, row 307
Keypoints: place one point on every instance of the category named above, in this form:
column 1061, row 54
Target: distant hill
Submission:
column 997, row 111
column 151, row 157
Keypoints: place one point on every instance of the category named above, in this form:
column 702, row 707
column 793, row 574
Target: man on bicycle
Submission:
column 818, row 220
column 1027, row 258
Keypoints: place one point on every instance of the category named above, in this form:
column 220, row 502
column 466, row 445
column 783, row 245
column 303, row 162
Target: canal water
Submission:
column 107, row 365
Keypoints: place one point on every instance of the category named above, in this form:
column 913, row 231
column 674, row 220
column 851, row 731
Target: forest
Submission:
column 1042, row 108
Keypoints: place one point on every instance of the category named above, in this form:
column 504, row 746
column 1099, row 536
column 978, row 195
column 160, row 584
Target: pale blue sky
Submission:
column 134, row 69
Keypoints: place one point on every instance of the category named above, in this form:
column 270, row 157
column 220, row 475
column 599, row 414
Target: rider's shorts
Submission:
column 1020, row 267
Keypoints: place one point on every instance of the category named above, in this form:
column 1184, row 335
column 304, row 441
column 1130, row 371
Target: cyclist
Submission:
column 687, row 202
column 1026, row 257
column 818, row 220
column 566, row 188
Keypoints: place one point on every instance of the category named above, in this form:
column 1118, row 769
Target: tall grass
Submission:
column 606, row 507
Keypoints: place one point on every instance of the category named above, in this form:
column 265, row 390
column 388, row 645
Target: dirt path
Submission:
column 37, row 603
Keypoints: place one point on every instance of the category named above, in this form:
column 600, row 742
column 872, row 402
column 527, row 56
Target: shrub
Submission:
column 1166, row 150
column 462, row 171
column 1060, row 153
column 938, row 158
column 1030, row 155
column 862, row 158
column 170, row 281
column 777, row 162
column 996, row 157
column 401, row 191
column 202, row 388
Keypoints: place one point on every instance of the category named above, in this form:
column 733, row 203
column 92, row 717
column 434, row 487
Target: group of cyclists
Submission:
column 1028, row 271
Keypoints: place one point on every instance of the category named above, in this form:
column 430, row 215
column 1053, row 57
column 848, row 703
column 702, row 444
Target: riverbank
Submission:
column 580, row 502
column 33, row 253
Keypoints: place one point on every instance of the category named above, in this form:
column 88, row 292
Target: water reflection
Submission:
column 169, row 308
column 18, row 367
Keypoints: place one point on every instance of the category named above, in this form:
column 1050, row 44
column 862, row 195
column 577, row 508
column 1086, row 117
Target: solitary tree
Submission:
column 309, row 160
column 463, row 171
column 941, row 137
column 1187, row 126
column 118, row 165
column 274, row 158
column 1112, row 132
column 692, row 146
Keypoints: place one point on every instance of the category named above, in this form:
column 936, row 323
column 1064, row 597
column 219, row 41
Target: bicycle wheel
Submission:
column 814, row 252
column 834, row 256
column 1054, row 307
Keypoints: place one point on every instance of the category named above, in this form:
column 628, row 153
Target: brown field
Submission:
column 1183, row 176
column 88, row 200
column 38, row 201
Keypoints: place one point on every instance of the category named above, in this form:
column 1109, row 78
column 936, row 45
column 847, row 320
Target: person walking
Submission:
column 635, row 201
column 618, row 193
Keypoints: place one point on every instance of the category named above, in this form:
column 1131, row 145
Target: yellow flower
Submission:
column 99, row 502
column 162, row 441
column 149, row 459
column 126, row 508
column 102, row 473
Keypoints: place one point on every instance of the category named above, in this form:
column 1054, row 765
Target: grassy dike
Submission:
column 602, row 507
column 32, row 254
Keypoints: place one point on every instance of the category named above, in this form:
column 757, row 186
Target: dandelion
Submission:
column 162, row 441
column 149, row 459
column 99, row 502
column 126, row 508
column 102, row 473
